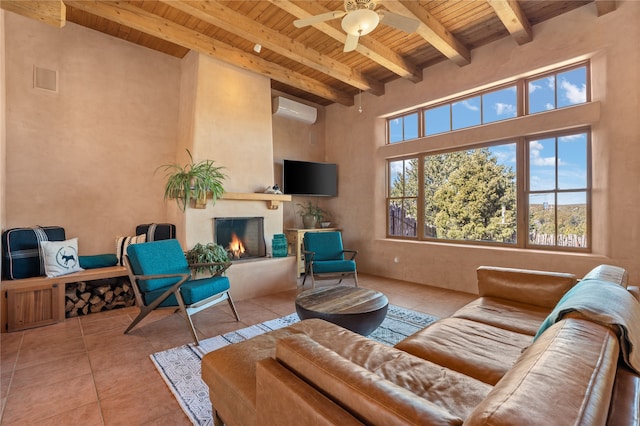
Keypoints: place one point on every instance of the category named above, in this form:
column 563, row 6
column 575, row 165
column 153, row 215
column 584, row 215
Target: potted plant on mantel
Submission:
column 192, row 182
column 210, row 257
column 311, row 214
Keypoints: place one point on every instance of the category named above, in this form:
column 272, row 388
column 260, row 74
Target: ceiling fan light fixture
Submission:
column 360, row 22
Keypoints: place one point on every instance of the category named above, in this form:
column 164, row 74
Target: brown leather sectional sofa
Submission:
column 481, row 366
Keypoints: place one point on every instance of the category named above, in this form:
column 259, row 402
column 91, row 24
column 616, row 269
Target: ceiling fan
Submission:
column 360, row 18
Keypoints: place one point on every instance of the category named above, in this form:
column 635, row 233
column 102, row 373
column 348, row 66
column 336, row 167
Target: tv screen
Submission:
column 309, row 178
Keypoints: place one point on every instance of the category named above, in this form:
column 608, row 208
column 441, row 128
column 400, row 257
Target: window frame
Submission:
column 555, row 73
column 418, row 197
column 587, row 189
column 522, row 101
column 522, row 170
column 403, row 116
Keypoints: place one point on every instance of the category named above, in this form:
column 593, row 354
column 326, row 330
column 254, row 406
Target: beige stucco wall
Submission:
column 3, row 127
column 84, row 157
column 616, row 153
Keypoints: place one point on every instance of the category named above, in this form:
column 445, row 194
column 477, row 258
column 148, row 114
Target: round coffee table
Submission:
column 355, row 308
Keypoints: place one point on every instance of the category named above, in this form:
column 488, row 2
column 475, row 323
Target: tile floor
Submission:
column 85, row 371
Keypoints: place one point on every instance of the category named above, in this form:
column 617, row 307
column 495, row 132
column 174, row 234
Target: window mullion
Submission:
column 522, row 193
column 421, row 199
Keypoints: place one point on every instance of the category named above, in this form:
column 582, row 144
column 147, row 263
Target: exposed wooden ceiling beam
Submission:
column 52, row 12
column 136, row 18
column 432, row 31
column 366, row 46
column 514, row 19
column 221, row 16
column 605, row 6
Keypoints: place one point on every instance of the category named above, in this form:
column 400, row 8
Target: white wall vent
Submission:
column 45, row 79
column 284, row 107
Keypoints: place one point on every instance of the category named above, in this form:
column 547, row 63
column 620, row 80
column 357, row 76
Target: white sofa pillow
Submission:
column 60, row 257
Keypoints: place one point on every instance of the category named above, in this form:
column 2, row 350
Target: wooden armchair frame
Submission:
column 188, row 310
column 308, row 269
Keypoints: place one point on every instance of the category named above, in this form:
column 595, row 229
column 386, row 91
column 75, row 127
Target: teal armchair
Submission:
column 161, row 277
column 324, row 257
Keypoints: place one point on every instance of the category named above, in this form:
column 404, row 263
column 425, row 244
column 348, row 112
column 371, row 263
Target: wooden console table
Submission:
column 294, row 240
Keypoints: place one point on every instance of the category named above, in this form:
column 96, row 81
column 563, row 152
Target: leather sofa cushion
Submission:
column 230, row 371
column 278, row 389
column 518, row 317
column 396, row 388
column 478, row 350
column 566, row 375
column 626, row 391
column 538, row 288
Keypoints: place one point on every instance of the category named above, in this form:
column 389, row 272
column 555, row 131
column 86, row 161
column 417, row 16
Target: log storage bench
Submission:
column 39, row 301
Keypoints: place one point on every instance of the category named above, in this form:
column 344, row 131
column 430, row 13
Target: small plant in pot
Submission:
column 210, row 257
column 193, row 181
column 311, row 214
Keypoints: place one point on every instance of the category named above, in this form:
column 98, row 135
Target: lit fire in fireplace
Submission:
column 235, row 246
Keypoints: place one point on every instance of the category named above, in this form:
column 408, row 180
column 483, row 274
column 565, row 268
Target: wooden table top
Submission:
column 341, row 300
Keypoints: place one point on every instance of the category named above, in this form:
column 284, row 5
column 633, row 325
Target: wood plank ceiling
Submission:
column 309, row 63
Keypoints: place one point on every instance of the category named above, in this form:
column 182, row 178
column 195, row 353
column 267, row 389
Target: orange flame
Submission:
column 236, row 247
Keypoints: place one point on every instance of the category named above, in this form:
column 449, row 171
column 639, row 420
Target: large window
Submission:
column 472, row 195
column 529, row 191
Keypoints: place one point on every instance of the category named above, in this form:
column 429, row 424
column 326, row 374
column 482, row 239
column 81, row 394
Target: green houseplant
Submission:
column 210, row 257
column 311, row 214
column 193, row 181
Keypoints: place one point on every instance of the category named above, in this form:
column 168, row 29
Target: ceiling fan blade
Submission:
column 312, row 20
column 351, row 43
column 408, row 25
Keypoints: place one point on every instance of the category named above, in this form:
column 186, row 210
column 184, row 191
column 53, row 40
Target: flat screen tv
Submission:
column 309, row 178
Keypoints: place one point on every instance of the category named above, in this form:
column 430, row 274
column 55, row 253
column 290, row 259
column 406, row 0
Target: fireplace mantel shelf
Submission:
column 273, row 200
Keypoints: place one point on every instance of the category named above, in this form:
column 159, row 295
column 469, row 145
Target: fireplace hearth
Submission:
column 242, row 237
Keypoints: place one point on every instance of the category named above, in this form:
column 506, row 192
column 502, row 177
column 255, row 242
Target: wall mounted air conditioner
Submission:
column 284, row 107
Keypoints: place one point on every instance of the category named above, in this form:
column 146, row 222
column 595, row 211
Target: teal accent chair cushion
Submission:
column 166, row 257
column 325, row 245
column 325, row 257
column 329, row 266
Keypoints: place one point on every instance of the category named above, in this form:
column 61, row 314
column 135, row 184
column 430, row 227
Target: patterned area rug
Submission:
column 180, row 367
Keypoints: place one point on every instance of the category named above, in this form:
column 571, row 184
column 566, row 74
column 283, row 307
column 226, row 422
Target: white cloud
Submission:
column 542, row 161
column 533, row 87
column 468, row 105
column 396, row 168
column 505, row 154
column 549, row 106
column 505, row 109
column 537, row 160
column 569, row 138
column 575, row 94
column 551, row 82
